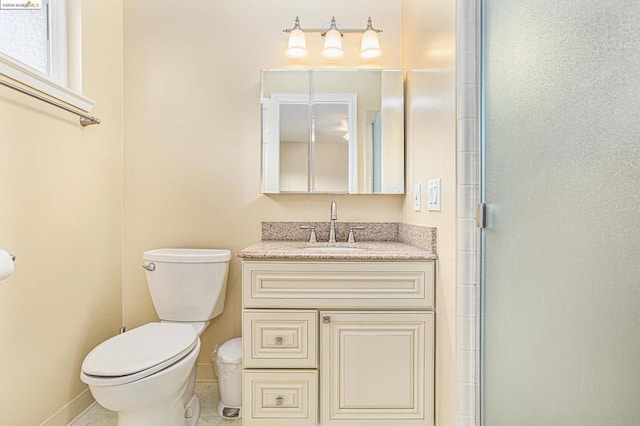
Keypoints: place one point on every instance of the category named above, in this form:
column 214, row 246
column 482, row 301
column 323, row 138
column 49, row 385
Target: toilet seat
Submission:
column 138, row 353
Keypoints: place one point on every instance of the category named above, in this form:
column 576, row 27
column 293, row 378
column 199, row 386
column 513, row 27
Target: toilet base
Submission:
column 192, row 412
column 229, row 412
column 167, row 415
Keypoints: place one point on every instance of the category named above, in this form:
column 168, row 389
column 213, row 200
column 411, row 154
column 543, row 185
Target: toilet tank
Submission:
column 187, row 284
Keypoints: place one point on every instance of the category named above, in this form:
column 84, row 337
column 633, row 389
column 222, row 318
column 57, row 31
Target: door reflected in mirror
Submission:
column 332, row 131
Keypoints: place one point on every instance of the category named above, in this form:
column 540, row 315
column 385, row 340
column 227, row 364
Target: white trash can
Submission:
column 228, row 363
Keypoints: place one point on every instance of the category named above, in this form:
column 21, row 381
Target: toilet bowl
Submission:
column 147, row 375
column 142, row 374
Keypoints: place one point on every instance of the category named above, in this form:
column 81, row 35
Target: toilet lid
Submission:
column 184, row 255
column 143, row 348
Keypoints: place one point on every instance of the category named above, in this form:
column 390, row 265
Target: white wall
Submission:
column 60, row 213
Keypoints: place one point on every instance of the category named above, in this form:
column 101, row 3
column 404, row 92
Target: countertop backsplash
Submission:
column 423, row 237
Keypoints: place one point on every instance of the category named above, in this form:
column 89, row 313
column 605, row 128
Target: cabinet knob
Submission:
column 326, row 319
column 279, row 400
column 279, row 340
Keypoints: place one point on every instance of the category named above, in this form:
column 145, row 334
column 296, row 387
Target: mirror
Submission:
column 333, row 131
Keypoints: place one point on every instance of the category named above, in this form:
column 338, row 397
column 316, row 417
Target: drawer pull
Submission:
column 279, row 401
column 326, row 320
column 279, row 340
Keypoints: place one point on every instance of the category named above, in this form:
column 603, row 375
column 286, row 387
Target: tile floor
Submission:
column 207, row 393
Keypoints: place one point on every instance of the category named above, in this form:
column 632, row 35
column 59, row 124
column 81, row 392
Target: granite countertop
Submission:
column 362, row 250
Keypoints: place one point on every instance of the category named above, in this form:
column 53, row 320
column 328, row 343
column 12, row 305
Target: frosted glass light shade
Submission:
column 297, row 47
column 332, row 48
column 370, row 46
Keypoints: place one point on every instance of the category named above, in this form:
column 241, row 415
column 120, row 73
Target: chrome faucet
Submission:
column 334, row 217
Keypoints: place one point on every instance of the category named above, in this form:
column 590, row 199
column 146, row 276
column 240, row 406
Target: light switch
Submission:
column 417, row 197
column 433, row 195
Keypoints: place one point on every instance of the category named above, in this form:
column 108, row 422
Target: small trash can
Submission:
column 228, row 363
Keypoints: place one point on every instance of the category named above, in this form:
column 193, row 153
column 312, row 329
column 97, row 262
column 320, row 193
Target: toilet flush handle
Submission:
column 150, row 267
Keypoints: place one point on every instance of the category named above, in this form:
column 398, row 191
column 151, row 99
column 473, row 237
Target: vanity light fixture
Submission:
column 332, row 47
column 370, row 46
column 332, row 34
column 297, row 47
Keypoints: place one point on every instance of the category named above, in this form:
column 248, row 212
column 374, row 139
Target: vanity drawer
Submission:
column 280, row 339
column 333, row 284
column 280, row 398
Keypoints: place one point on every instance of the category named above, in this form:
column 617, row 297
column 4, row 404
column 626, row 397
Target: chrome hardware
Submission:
column 123, row 329
column 334, row 217
column 481, row 215
column 326, row 319
column 88, row 121
column 279, row 400
column 150, row 267
column 85, row 120
column 351, row 238
column 312, row 238
column 279, row 340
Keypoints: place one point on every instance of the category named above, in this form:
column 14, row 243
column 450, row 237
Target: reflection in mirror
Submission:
column 330, row 142
column 294, row 150
column 333, row 131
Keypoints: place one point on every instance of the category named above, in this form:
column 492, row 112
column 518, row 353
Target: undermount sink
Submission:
column 333, row 249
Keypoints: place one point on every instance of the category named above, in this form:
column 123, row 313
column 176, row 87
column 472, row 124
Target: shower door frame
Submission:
column 468, row 276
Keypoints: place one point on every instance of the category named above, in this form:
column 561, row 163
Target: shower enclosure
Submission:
column 560, row 126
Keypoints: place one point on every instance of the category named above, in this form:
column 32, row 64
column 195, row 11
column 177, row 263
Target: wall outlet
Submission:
column 433, row 195
column 417, row 197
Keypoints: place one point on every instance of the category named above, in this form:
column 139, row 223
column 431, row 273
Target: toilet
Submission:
column 147, row 375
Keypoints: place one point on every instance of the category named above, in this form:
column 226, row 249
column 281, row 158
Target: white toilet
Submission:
column 147, row 375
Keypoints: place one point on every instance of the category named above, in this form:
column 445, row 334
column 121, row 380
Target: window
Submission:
column 34, row 47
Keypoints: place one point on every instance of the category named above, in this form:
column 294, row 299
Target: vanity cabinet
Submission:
column 338, row 343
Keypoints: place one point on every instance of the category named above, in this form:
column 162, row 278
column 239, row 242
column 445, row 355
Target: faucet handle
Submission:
column 351, row 238
column 312, row 237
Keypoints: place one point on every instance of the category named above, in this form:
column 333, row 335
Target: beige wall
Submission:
column 192, row 131
column 428, row 30
column 192, row 171
column 60, row 213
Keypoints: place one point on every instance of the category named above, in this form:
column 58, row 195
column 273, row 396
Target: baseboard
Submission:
column 71, row 410
column 205, row 372
column 81, row 403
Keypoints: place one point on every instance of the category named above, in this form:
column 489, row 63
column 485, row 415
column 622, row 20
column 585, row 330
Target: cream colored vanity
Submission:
column 343, row 340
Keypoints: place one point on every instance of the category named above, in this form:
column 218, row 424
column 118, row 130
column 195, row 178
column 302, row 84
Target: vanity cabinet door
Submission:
column 377, row 368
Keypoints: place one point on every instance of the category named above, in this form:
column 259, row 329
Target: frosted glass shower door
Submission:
column 561, row 179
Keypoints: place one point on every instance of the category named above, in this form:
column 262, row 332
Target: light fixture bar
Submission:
column 323, row 31
column 332, row 45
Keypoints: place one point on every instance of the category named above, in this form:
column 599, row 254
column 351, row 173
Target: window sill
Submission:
column 23, row 74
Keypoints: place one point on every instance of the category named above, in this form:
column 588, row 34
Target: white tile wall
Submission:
column 467, row 367
column 467, row 298
column 467, row 134
column 468, row 271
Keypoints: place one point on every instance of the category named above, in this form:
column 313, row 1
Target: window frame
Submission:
column 56, row 85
